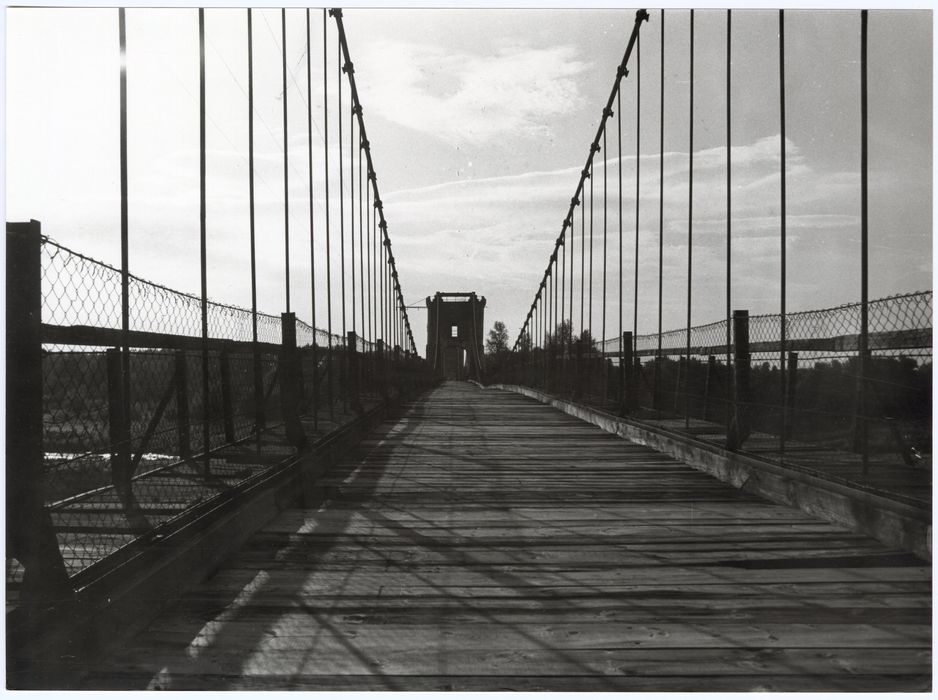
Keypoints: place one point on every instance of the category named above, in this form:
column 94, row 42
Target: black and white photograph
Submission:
column 469, row 348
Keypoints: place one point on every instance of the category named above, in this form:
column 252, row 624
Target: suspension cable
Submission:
column 361, row 240
column 783, row 202
column 605, row 233
column 863, row 359
column 729, row 190
column 638, row 179
column 367, row 324
column 572, row 247
column 690, row 223
column 592, row 216
column 339, row 71
column 640, row 16
column 325, row 109
column 351, row 163
column 582, row 266
column 258, row 379
column 660, row 226
column 203, row 254
column 286, row 160
column 619, row 158
column 312, row 221
column 372, row 177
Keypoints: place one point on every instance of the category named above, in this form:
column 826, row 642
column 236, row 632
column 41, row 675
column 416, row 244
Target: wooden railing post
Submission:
column 260, row 415
column 708, row 385
column 626, row 373
column 290, row 382
column 861, row 409
column 791, row 392
column 118, row 426
column 224, row 362
column 183, row 429
column 314, row 361
column 381, row 375
column 354, row 361
column 30, row 537
column 681, row 377
column 739, row 429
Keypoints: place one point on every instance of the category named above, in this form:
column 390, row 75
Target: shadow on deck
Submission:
column 488, row 542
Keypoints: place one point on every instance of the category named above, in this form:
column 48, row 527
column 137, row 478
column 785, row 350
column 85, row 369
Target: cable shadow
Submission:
column 210, row 634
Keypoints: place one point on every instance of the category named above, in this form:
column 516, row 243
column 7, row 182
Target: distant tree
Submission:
column 497, row 342
column 524, row 342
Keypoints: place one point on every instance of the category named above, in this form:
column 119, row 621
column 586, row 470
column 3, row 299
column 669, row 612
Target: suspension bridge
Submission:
column 207, row 496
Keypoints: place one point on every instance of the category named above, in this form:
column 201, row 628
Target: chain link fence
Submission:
column 133, row 439
column 808, row 397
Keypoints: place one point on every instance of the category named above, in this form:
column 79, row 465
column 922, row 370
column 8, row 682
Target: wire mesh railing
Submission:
column 132, row 437
column 814, row 407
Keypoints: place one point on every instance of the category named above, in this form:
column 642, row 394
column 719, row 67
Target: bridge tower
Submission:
column 454, row 334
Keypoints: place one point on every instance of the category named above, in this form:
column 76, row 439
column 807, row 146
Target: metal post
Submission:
column 30, row 537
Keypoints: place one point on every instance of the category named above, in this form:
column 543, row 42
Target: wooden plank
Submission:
column 483, row 543
column 121, row 679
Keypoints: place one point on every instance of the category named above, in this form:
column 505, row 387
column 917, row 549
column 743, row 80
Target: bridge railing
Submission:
column 734, row 391
column 855, row 379
column 119, row 443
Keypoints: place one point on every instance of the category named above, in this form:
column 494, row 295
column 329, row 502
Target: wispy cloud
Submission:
column 470, row 98
column 497, row 233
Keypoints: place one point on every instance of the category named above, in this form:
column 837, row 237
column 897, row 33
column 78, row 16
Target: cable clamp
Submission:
column 594, row 148
column 574, row 202
column 366, row 145
column 336, row 12
column 641, row 16
column 357, row 110
column 585, row 173
column 349, row 68
column 607, row 112
column 623, row 72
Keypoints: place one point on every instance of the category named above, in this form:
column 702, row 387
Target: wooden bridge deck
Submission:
column 488, row 542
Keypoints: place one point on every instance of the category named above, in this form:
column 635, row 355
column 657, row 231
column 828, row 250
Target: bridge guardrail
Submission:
column 703, row 392
column 106, row 445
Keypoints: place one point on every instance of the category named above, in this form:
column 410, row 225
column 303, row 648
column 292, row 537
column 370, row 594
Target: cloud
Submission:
column 497, row 233
column 469, row 98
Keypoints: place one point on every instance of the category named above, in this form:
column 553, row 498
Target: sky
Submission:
column 480, row 121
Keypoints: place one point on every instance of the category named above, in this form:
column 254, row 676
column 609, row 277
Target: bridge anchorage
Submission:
column 202, row 495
